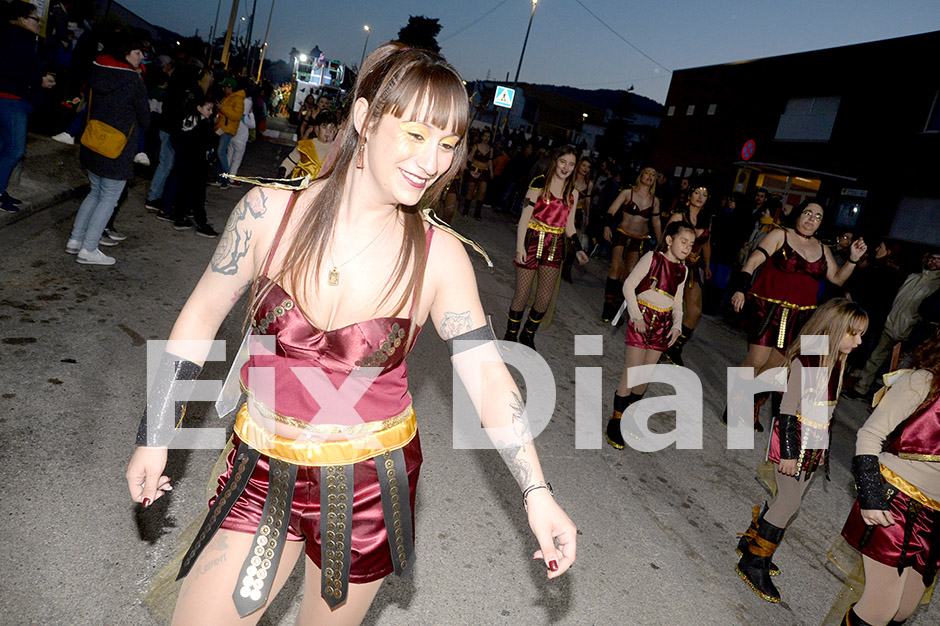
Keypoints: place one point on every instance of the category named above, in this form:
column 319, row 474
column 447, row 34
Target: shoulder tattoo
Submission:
column 236, row 238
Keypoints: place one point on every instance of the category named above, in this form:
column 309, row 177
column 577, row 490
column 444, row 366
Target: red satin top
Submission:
column 664, row 276
column 790, row 279
column 631, row 208
column 311, row 368
column 918, row 435
column 552, row 212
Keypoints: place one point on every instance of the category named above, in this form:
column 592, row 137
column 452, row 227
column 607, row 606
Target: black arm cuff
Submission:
column 614, row 219
column 483, row 333
column 868, row 482
column 789, row 436
column 575, row 243
column 166, row 401
column 741, row 281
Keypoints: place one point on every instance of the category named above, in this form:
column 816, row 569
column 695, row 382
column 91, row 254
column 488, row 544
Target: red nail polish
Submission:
column 553, row 565
column 146, row 502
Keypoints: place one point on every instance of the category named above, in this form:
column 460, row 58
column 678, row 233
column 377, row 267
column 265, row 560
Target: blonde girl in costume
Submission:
column 653, row 293
column 799, row 441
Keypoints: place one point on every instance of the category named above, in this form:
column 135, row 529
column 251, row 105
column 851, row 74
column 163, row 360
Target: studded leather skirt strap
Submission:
column 246, row 458
column 336, row 499
column 257, row 572
column 396, row 508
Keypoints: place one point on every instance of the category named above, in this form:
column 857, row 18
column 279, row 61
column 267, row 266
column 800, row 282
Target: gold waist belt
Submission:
column 652, row 306
column 632, row 236
column 545, row 228
column 909, row 490
column 394, row 433
column 784, row 303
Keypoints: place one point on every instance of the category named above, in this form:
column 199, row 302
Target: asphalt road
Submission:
column 657, row 530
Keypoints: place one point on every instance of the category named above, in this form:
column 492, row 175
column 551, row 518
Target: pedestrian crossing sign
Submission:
column 504, row 96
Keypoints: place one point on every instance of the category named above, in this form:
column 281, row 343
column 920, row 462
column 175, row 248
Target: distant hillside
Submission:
column 606, row 98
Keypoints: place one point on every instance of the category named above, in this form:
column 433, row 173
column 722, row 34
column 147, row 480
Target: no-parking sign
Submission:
column 747, row 151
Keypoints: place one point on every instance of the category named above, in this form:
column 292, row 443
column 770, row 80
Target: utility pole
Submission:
column 251, row 26
column 264, row 46
column 212, row 34
column 228, row 33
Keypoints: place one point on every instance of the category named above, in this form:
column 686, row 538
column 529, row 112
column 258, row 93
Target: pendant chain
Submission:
column 333, row 277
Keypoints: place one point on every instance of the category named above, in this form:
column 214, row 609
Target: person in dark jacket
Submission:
column 118, row 98
column 193, row 144
column 21, row 79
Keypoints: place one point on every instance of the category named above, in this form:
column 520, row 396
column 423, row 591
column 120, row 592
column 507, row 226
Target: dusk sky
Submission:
column 567, row 45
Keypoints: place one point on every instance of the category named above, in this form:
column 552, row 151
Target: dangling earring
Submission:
column 359, row 156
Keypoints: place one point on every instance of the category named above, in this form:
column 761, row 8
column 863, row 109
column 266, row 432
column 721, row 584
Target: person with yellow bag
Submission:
column 231, row 110
column 118, row 111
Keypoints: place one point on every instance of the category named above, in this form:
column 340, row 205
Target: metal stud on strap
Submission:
column 396, row 508
column 336, row 499
column 245, row 460
column 258, row 570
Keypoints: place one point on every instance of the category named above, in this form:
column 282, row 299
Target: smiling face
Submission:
column 405, row 156
column 809, row 220
column 564, row 165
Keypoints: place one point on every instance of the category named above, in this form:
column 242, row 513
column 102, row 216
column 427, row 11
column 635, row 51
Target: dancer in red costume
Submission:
column 799, row 444
column 784, row 295
column 653, row 293
column 699, row 262
column 547, row 218
column 342, row 276
column 628, row 227
column 895, row 521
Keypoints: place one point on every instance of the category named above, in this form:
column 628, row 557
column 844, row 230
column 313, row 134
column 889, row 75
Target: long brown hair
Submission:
column 927, row 357
column 834, row 318
column 393, row 78
column 553, row 167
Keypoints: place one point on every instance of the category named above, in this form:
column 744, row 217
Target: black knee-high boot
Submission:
column 527, row 338
column 751, row 532
column 614, row 436
column 674, row 352
column 852, row 619
column 613, row 298
column 754, row 566
column 512, row 326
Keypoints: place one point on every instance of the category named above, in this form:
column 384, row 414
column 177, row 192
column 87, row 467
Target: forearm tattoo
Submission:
column 234, row 244
column 514, row 452
column 454, row 324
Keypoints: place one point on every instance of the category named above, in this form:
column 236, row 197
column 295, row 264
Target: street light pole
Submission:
column 524, row 42
column 264, row 46
column 228, row 34
column 215, row 27
column 364, row 46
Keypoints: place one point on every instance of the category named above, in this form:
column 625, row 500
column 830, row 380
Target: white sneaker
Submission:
column 95, row 257
column 65, row 138
column 107, row 241
column 142, row 159
column 73, row 246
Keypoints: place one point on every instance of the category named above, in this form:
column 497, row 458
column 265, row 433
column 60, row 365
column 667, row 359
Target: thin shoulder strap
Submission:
column 427, row 253
column 280, row 231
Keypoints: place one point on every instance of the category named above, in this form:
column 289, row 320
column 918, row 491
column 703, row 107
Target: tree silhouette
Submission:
column 421, row 32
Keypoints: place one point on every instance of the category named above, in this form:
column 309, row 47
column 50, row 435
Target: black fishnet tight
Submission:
column 547, row 278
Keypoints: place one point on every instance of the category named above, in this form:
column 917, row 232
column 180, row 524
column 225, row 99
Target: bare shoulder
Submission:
column 774, row 239
column 447, row 253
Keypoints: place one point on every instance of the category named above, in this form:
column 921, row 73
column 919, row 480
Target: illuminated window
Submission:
column 712, row 108
column 671, row 111
column 690, row 110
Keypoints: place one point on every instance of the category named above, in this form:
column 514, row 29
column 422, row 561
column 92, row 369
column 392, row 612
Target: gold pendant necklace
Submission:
column 333, row 276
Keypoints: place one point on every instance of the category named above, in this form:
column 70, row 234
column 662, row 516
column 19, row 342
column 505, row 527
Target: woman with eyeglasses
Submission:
column 785, row 293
